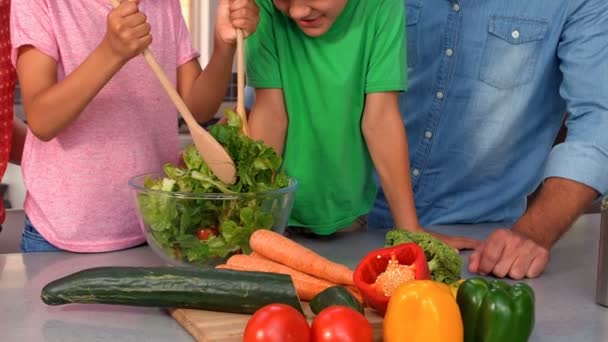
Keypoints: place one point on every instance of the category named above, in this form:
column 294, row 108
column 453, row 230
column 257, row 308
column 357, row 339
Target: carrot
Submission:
column 352, row 289
column 257, row 255
column 306, row 286
column 278, row 248
column 300, row 286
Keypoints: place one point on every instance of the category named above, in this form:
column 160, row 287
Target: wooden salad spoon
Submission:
column 240, row 99
column 212, row 152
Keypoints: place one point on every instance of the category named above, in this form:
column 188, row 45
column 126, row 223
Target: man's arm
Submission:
column 268, row 119
column 559, row 203
column 19, row 133
column 575, row 172
column 523, row 251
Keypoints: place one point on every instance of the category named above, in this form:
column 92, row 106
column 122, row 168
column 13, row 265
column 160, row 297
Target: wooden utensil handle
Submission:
column 240, row 99
column 171, row 91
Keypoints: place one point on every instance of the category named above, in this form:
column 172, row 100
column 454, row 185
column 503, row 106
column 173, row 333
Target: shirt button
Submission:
column 449, row 52
column 515, row 34
column 439, row 95
column 416, row 172
column 456, row 7
column 428, row 134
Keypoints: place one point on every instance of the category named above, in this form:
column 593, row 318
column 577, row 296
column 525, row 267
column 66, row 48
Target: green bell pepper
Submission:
column 494, row 311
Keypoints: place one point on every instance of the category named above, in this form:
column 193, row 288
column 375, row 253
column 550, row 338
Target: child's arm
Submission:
column 385, row 136
column 51, row 106
column 387, row 142
column 268, row 118
column 204, row 90
column 19, row 133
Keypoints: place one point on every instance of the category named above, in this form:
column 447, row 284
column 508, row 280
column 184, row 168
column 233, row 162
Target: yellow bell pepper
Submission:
column 423, row 310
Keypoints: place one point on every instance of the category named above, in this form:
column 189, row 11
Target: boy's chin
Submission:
column 316, row 31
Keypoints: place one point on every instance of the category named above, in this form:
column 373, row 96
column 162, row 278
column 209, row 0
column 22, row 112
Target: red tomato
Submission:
column 277, row 323
column 341, row 324
column 205, row 234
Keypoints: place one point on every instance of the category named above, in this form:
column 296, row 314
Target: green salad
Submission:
column 197, row 230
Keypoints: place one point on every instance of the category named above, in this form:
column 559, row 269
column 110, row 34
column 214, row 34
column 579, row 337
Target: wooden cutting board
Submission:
column 211, row 326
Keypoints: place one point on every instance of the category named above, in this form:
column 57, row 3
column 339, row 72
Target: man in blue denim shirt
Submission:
column 490, row 83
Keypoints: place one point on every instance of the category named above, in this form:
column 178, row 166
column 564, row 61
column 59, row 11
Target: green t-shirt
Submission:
column 324, row 80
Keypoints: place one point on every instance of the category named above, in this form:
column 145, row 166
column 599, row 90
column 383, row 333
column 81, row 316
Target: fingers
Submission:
column 129, row 33
column 524, row 255
column 240, row 9
column 143, row 43
column 120, row 23
column 244, row 15
column 457, row 242
column 531, row 262
column 135, row 20
column 492, row 252
column 139, row 31
column 128, row 8
column 505, row 265
column 474, row 259
column 463, row 243
column 538, row 264
column 506, row 253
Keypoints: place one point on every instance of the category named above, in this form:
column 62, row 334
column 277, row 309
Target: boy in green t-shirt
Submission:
column 327, row 74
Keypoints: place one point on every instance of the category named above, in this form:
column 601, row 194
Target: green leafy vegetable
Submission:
column 444, row 262
column 175, row 219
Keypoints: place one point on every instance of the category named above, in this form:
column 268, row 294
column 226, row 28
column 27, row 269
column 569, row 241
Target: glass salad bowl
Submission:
column 205, row 229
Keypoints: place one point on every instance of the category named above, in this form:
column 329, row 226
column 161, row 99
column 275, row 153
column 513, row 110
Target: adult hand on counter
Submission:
column 509, row 253
column 523, row 251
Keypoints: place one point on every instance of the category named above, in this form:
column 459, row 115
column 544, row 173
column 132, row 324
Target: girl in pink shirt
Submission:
column 97, row 114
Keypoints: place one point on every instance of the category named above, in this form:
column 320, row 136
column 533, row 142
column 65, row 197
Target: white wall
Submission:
column 16, row 189
column 203, row 26
column 13, row 225
column 203, row 23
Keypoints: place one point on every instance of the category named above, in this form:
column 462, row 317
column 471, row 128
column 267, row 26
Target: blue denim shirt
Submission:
column 490, row 82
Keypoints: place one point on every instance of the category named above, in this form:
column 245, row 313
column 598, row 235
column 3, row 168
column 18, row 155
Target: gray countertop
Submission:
column 565, row 293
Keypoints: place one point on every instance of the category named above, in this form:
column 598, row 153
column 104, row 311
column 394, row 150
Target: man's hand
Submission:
column 457, row 242
column 509, row 253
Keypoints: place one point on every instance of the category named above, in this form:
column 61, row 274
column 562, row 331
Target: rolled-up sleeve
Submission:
column 583, row 54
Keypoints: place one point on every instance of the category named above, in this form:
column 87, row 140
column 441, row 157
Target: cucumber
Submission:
column 172, row 287
column 335, row 295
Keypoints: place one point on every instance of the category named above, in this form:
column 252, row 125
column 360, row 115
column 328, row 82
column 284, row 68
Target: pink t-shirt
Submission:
column 78, row 196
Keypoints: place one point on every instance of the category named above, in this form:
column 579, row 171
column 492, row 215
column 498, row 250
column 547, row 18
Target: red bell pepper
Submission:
column 375, row 263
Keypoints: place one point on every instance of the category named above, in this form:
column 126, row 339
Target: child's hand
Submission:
column 128, row 33
column 236, row 14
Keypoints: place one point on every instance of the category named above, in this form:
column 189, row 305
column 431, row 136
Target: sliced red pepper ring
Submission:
column 376, row 276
